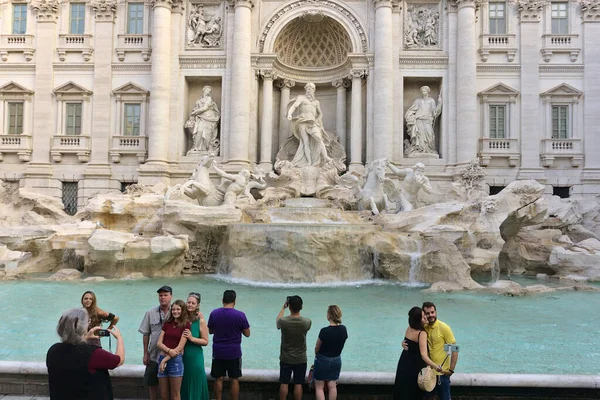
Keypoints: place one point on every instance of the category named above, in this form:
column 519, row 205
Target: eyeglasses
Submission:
column 195, row 294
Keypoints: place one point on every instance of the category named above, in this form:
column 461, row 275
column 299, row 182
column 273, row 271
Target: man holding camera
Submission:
column 439, row 339
column 292, row 356
column 151, row 327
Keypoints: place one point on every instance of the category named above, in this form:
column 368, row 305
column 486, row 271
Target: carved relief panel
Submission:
column 422, row 26
column 204, row 26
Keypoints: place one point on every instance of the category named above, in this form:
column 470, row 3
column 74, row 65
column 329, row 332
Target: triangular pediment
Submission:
column 563, row 90
column 15, row 88
column 499, row 89
column 71, row 88
column 130, row 88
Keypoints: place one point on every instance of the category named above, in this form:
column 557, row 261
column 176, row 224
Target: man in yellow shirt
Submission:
column 438, row 335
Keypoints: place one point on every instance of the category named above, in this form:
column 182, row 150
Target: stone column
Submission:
column 591, row 85
column 466, row 88
column 356, row 125
column 383, row 103
column 39, row 171
column 450, row 137
column 98, row 172
column 158, row 130
column 266, row 122
column 340, row 111
column 285, row 85
column 241, row 94
column 530, row 137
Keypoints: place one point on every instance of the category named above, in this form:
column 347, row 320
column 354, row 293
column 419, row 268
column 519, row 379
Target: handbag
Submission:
column 427, row 379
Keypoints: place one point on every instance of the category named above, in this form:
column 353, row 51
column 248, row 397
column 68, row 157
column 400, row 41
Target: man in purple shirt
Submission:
column 227, row 325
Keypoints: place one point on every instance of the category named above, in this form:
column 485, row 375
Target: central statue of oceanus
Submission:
column 310, row 145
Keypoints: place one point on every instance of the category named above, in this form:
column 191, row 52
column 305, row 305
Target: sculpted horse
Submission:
column 376, row 189
column 199, row 187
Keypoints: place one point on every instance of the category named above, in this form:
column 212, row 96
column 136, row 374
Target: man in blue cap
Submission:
column 151, row 327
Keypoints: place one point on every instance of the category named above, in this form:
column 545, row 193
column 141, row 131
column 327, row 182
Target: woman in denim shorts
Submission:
column 328, row 361
column 171, row 342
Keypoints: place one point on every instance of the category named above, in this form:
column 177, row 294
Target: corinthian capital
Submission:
column 531, row 10
column 241, row 3
column 466, row 3
column 45, row 10
column 105, row 9
column 285, row 83
column 357, row 74
column 590, row 10
column 382, row 3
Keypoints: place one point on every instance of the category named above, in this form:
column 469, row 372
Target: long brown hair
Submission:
column 93, row 310
column 334, row 313
column 184, row 319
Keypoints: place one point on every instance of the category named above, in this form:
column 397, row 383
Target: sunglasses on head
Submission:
column 194, row 294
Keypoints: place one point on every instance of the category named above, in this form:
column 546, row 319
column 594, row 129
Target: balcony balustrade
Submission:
column 562, row 148
column 19, row 144
column 570, row 44
column 130, row 43
column 507, row 148
column 136, row 145
column 69, row 43
column 16, row 44
column 67, row 144
column 497, row 44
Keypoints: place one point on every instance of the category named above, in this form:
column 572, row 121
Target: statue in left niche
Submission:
column 204, row 123
column 203, row 30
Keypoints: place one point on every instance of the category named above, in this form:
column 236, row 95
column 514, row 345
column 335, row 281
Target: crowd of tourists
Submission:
column 174, row 334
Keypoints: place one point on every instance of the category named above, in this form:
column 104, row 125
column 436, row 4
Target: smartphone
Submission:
column 287, row 299
column 102, row 332
column 451, row 348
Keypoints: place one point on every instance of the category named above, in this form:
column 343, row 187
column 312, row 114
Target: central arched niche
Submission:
column 313, row 41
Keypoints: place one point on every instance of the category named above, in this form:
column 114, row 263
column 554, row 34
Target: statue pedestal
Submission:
column 201, row 153
column 426, row 156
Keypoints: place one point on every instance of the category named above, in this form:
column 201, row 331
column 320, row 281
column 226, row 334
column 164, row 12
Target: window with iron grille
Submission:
column 497, row 121
column 496, row 189
column 497, row 18
column 560, row 122
column 564, row 192
column 73, row 120
column 69, row 197
column 132, row 119
column 560, row 18
column 77, row 25
column 15, row 118
column 135, row 18
column 19, row 19
column 125, row 185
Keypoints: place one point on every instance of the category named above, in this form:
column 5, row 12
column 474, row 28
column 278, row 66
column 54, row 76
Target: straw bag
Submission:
column 427, row 379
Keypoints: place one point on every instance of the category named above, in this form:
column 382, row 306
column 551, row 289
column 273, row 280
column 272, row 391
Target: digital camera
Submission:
column 102, row 332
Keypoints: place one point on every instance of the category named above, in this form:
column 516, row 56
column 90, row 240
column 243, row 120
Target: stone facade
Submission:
column 95, row 95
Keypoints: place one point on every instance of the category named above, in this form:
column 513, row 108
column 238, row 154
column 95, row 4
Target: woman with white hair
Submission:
column 77, row 370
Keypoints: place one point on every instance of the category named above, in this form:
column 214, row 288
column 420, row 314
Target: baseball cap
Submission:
column 165, row 288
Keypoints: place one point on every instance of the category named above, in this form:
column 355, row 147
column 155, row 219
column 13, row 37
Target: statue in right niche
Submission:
column 420, row 121
column 204, row 123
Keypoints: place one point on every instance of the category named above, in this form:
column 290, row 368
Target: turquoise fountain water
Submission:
column 550, row 333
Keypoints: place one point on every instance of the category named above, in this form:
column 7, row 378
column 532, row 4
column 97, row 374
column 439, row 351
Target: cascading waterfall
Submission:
column 415, row 264
column 495, row 270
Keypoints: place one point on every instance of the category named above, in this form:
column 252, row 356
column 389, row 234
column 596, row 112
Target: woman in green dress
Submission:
column 194, row 385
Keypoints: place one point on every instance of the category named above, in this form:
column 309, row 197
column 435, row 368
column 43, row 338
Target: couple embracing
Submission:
column 424, row 345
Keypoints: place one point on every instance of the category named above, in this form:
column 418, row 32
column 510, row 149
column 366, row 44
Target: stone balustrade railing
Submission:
column 128, row 43
column 562, row 148
column 16, row 44
column 497, row 44
column 19, row 144
column 570, row 44
column 134, row 145
column 67, row 144
column 69, row 43
column 507, row 148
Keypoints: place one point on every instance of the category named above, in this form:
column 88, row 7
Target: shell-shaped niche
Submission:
column 313, row 41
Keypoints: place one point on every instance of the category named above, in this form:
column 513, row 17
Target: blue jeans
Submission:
column 442, row 389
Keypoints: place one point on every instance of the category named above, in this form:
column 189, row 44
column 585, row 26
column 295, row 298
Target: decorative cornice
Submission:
column 241, row 3
column 358, row 74
column 347, row 12
column 341, row 83
column 590, row 10
column 45, row 10
column 105, row 10
column 531, row 10
column 72, row 67
column 202, row 62
column 17, row 67
column 498, row 68
column 564, row 68
column 131, row 67
column 466, row 3
column 423, row 62
column 170, row 4
column 267, row 74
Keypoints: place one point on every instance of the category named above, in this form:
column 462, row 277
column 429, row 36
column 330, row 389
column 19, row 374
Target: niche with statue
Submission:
column 203, row 123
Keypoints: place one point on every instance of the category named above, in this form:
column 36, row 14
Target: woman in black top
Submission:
column 328, row 362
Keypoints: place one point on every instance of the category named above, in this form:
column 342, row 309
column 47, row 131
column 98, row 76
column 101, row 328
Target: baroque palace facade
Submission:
column 100, row 94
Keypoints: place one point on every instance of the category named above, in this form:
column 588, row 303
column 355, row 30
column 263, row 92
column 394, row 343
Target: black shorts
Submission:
column 285, row 373
column 151, row 374
column 231, row 368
